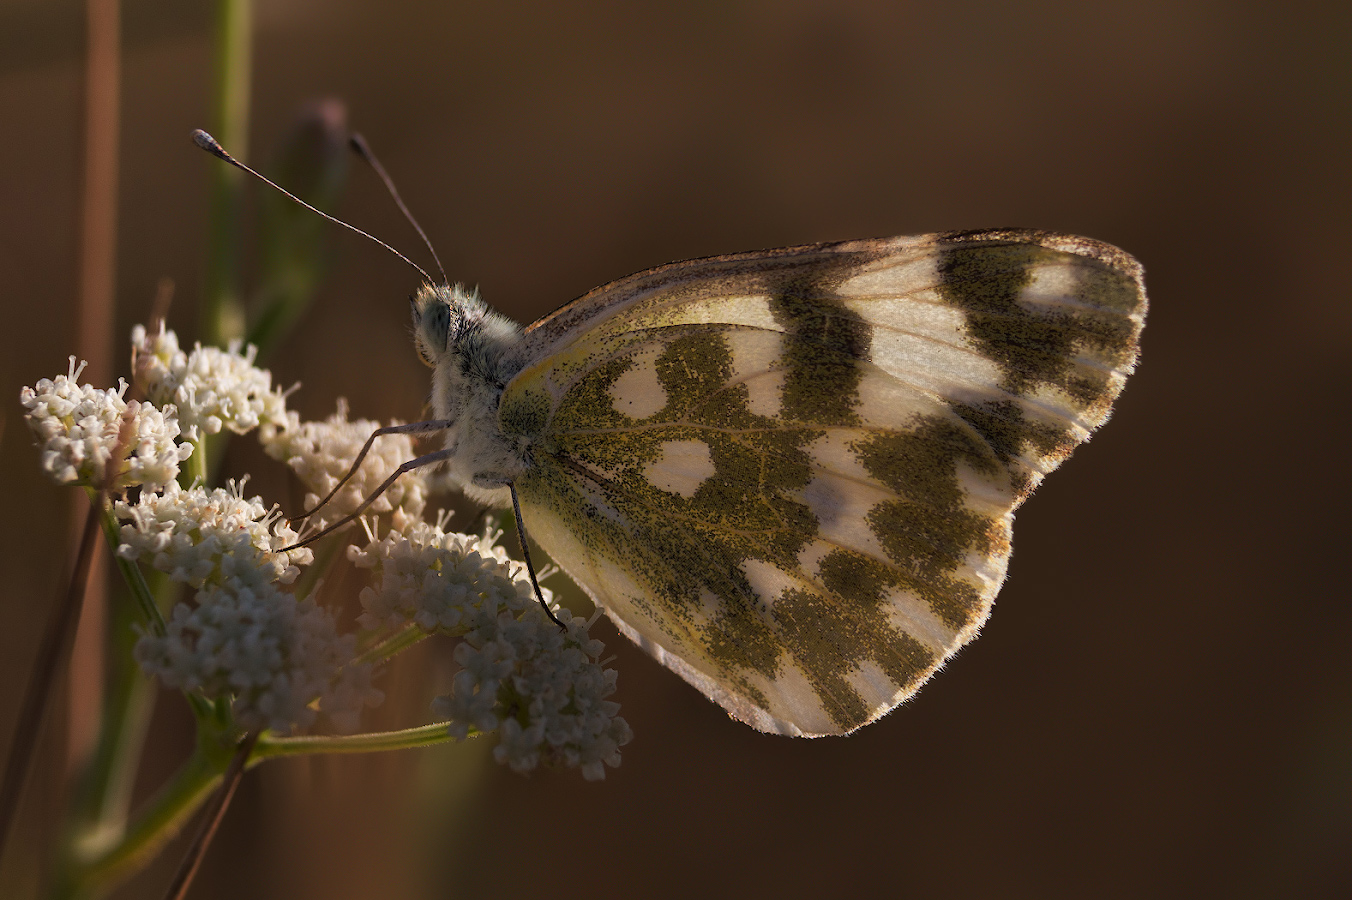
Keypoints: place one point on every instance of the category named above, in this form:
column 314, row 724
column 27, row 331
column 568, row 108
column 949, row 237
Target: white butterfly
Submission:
column 790, row 475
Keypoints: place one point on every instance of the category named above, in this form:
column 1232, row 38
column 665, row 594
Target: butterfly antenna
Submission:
column 212, row 146
column 363, row 149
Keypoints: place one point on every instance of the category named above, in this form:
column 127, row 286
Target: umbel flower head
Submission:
column 217, row 537
column 321, row 453
column 241, row 636
column 544, row 690
column 213, row 388
column 272, row 654
column 93, row 437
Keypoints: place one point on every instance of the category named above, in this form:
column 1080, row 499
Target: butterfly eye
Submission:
column 431, row 326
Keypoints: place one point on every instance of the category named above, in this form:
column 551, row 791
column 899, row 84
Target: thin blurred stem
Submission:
column 292, row 241
column 222, row 309
column 220, row 802
column 404, row 739
column 55, row 647
column 98, row 212
column 195, row 468
column 212, row 447
column 94, row 335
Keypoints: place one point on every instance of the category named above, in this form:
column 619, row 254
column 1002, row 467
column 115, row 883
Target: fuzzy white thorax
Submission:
column 467, row 344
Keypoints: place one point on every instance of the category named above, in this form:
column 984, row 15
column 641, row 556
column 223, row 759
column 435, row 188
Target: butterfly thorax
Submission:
column 467, row 345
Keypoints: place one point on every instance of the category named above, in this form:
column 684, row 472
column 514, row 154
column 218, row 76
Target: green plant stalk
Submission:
column 195, row 467
column 212, row 450
column 103, row 866
column 395, row 643
column 151, row 616
column 325, row 552
column 104, row 794
column 404, row 739
column 293, row 241
column 222, row 310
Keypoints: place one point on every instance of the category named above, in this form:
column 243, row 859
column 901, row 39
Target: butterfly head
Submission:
column 452, row 324
column 441, row 314
column 468, row 346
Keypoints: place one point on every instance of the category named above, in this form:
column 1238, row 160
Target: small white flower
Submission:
column 157, row 362
column 273, row 655
column 551, row 702
column 199, row 537
column 543, row 689
column 80, row 428
column 434, row 578
column 321, row 453
column 212, row 388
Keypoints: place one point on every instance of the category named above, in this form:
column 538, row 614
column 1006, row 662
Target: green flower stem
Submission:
column 325, row 551
column 104, row 795
column 216, row 445
column 194, row 468
column 407, row 738
column 131, row 573
column 105, row 786
column 293, row 241
column 398, row 642
column 215, row 812
column 222, row 310
column 105, row 858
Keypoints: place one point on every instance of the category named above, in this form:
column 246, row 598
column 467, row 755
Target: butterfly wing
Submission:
column 791, row 475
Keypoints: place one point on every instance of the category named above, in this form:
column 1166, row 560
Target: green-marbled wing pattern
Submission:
column 791, row 475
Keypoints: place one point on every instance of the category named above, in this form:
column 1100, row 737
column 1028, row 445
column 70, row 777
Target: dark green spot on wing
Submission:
column 822, row 340
column 930, row 530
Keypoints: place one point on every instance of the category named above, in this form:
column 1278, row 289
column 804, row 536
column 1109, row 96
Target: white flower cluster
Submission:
column 212, row 388
column 81, row 428
column 279, row 660
column 542, row 689
column 321, row 453
column 430, row 577
column 274, row 654
column 199, row 537
column 242, row 636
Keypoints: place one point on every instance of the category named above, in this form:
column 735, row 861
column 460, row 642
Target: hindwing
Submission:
column 791, row 475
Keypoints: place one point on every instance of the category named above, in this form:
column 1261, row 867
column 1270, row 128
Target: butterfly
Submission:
column 790, row 475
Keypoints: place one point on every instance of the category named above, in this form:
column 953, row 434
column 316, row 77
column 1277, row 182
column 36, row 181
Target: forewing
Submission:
column 791, row 475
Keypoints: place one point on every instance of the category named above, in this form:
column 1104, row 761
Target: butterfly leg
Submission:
column 428, row 459
column 525, row 553
column 497, row 481
column 412, row 428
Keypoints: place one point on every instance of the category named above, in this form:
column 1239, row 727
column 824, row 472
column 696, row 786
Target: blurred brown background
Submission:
column 1161, row 705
